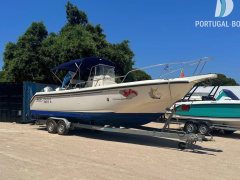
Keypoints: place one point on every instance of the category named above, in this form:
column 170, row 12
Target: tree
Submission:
column 121, row 55
column 224, row 81
column 75, row 16
column 22, row 60
column 138, row 75
column 9, row 55
column 3, row 76
column 36, row 51
column 86, row 40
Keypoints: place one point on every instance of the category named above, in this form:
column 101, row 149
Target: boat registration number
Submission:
column 44, row 100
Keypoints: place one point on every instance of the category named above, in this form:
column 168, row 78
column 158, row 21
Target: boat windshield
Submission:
column 227, row 93
column 102, row 70
column 230, row 94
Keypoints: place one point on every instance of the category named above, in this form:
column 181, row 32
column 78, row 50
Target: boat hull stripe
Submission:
column 101, row 118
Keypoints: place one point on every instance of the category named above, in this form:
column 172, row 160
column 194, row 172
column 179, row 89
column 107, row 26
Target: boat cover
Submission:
column 86, row 64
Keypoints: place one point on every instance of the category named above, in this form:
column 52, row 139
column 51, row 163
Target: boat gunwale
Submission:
column 107, row 87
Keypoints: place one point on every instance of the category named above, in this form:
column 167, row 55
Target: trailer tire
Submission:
column 182, row 145
column 61, row 128
column 190, row 127
column 203, row 129
column 51, row 126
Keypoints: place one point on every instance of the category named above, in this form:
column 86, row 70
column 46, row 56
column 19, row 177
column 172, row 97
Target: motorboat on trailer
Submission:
column 217, row 110
column 90, row 95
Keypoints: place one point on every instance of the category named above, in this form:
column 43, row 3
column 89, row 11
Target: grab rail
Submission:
column 167, row 65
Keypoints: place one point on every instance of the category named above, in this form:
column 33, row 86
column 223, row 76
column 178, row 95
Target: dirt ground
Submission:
column 30, row 152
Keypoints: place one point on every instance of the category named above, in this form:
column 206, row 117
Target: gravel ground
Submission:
column 30, row 152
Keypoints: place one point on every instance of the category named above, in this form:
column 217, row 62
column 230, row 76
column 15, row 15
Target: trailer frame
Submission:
column 62, row 127
column 212, row 127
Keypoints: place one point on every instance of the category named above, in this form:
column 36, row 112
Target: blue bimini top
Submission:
column 86, row 64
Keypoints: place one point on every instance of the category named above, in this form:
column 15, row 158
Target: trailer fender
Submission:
column 193, row 121
column 207, row 123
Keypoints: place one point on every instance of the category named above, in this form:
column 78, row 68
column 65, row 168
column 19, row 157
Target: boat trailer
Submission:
column 62, row 127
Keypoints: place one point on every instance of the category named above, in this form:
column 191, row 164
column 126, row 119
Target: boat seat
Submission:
column 77, row 83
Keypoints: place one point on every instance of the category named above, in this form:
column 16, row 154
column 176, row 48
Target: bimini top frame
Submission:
column 83, row 65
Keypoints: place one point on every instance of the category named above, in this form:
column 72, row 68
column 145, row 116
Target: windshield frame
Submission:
column 95, row 71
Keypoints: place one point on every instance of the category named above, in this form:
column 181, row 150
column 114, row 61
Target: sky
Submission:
column 159, row 31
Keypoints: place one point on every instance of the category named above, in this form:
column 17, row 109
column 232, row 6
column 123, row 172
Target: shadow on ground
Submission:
column 235, row 135
column 138, row 140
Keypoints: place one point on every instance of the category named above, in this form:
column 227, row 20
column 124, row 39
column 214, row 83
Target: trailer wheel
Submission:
column 190, row 128
column 51, row 126
column 61, row 128
column 182, row 145
column 203, row 129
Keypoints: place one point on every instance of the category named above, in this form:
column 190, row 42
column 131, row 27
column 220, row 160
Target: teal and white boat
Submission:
column 208, row 112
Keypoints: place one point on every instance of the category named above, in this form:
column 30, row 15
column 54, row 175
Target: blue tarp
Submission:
column 87, row 63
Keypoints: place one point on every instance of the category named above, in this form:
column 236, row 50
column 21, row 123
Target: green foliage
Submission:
column 121, row 55
column 3, row 76
column 75, row 16
column 9, row 55
column 36, row 51
column 226, row 81
column 22, row 60
column 138, row 75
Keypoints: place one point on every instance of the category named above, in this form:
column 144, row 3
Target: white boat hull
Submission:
column 134, row 103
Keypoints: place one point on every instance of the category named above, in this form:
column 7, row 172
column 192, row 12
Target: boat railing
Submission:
column 168, row 67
